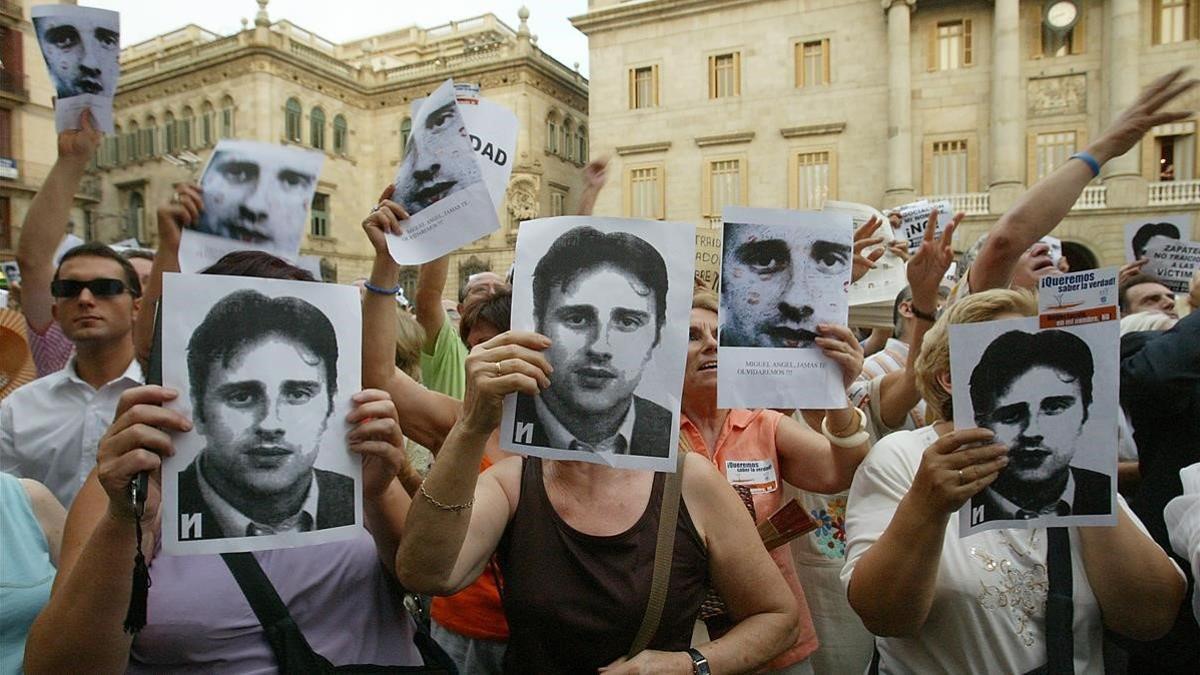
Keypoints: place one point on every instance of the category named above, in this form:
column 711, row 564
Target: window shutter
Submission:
column 737, row 73
column 1078, row 33
column 1193, row 15
column 825, row 59
column 966, row 41
column 1036, row 49
column 798, row 51
column 932, row 56
column 632, row 88
column 1156, row 22
column 654, row 83
column 712, row 77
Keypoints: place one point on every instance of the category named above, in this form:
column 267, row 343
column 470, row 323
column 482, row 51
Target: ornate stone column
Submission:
column 1122, row 175
column 1005, row 185
column 899, row 147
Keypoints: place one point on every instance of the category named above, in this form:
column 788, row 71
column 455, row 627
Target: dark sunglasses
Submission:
column 101, row 288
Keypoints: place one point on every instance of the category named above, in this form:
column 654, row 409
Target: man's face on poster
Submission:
column 81, row 53
column 602, row 331
column 264, row 415
column 439, row 159
column 779, row 283
column 260, row 199
column 1039, row 417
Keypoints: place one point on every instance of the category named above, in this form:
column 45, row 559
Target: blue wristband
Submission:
column 382, row 291
column 1086, row 158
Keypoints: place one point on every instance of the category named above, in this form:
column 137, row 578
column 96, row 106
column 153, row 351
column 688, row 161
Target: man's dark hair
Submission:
column 94, row 249
column 1148, row 231
column 902, row 297
column 495, row 309
column 138, row 253
column 583, row 249
column 257, row 264
column 244, row 318
column 1123, row 291
column 1016, row 352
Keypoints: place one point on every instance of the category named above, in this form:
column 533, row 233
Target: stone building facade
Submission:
column 27, row 148
column 275, row 82
column 786, row 103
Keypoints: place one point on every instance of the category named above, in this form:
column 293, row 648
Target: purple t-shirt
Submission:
column 198, row 620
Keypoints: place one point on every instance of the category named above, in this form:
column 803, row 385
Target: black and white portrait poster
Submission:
column 614, row 296
column 1049, row 392
column 1140, row 235
column 256, row 197
column 265, row 369
column 81, row 46
column 454, row 174
column 782, row 274
column 1173, row 263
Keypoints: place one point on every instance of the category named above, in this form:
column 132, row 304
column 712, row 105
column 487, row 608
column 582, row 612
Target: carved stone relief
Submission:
column 1061, row 95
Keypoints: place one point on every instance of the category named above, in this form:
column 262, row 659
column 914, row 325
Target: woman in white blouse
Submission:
column 939, row 603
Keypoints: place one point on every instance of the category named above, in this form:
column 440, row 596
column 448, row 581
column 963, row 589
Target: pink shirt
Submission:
column 198, row 620
column 746, row 455
column 51, row 349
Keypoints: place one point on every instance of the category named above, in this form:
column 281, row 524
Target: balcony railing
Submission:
column 1093, row 197
column 14, row 83
column 970, row 203
column 1170, row 193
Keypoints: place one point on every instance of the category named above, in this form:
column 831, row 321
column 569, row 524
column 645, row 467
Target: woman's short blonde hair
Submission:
column 410, row 338
column 934, row 358
column 702, row 298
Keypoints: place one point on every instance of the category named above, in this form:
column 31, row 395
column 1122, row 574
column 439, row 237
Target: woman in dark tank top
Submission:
column 576, row 543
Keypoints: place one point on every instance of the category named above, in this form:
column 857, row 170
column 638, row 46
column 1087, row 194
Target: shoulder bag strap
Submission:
column 1060, row 608
column 664, row 550
column 292, row 652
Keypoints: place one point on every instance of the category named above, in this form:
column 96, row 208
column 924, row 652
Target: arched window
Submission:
column 170, row 134
column 405, row 132
column 150, row 138
column 291, row 120
column 340, row 135
column 133, row 151
column 581, row 137
column 208, row 125
column 112, row 144
column 187, row 123
column 227, row 121
column 316, row 128
column 566, row 140
column 552, row 133
column 135, row 214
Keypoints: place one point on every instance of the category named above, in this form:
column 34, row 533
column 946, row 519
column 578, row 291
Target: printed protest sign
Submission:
column 914, row 218
column 81, row 47
column 1173, row 262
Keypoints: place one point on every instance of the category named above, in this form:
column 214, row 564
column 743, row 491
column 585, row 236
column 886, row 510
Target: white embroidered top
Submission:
column 988, row 612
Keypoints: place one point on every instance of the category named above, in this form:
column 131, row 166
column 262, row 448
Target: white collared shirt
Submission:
column 50, row 428
column 560, row 437
column 233, row 522
column 1012, row 512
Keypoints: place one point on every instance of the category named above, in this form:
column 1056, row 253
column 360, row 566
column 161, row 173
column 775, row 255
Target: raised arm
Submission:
column 83, row 621
column 898, row 393
column 425, row 416
column 595, row 174
column 431, row 284
column 892, row 583
column 376, row 437
column 46, row 221
column 1049, row 200
column 183, row 210
column 458, row 517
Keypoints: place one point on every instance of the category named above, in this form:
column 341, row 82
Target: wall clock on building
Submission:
column 1060, row 15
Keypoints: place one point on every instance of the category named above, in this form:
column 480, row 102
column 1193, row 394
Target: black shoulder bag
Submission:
column 292, row 651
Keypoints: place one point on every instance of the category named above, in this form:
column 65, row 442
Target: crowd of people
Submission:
column 478, row 560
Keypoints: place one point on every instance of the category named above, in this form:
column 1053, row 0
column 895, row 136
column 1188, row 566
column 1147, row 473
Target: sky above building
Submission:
column 346, row 20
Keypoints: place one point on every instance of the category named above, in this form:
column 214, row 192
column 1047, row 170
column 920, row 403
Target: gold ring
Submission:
column 175, row 198
column 499, row 369
column 962, row 477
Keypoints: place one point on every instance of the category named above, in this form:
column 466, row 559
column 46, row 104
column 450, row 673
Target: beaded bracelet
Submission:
column 382, row 291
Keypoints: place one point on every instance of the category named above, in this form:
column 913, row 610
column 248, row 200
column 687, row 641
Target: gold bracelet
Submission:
column 454, row 508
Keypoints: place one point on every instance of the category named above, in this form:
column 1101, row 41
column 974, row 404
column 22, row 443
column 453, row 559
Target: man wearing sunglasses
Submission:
column 50, row 428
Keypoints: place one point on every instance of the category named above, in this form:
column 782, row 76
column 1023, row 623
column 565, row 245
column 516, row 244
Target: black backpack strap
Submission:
column 292, row 652
column 1060, row 607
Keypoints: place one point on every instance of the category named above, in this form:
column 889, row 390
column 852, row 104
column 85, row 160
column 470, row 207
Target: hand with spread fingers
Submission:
column 954, row 469
column 929, row 264
column 386, row 218
column 376, row 436
column 1143, row 115
column 137, row 441
column 839, row 344
column 509, row 363
column 864, row 238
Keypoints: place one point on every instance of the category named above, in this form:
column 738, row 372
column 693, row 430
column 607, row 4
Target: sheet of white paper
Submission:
column 81, row 47
column 267, row 417
column 914, row 218
column 1173, row 262
column 617, row 345
column 782, row 273
column 1029, row 380
column 1055, row 245
column 454, row 174
column 69, row 241
column 1141, row 233
column 256, row 197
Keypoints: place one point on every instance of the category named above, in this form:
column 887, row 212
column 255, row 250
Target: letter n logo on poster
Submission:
column 190, row 526
column 523, row 433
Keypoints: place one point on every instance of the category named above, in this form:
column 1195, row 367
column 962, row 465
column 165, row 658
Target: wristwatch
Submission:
column 699, row 663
